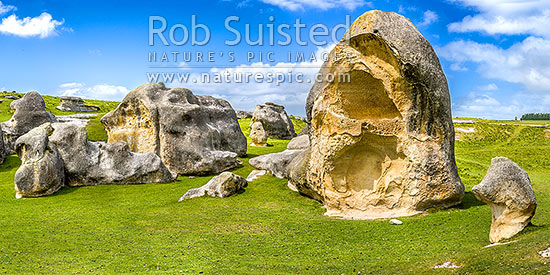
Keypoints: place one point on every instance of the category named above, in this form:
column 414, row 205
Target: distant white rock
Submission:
column 395, row 222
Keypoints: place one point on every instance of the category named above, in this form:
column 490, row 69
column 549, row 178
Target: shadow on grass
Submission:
column 65, row 190
column 470, row 201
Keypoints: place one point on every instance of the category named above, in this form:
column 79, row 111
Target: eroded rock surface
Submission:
column 275, row 121
column 41, row 172
column 75, row 104
column 506, row 188
column 243, row 114
column 191, row 134
column 29, row 113
column 258, row 134
column 382, row 143
column 88, row 163
column 224, row 185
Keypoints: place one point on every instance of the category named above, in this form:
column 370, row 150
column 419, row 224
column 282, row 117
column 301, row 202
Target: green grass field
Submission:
column 268, row 229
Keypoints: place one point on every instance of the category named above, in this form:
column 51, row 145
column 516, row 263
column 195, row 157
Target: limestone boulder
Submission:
column 275, row 121
column 243, row 114
column 224, row 185
column 29, row 113
column 276, row 163
column 41, row 172
column 506, row 188
column 258, row 134
column 88, row 163
column 75, row 104
column 298, row 143
column 381, row 131
column 191, row 134
column 304, row 131
column 3, row 149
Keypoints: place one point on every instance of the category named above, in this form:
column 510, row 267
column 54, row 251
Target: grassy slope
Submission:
column 268, row 228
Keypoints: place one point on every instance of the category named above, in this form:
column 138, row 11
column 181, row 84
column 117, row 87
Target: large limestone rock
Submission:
column 506, row 188
column 191, row 134
column 88, row 163
column 29, row 113
column 41, row 172
column 258, row 134
column 224, row 185
column 3, row 150
column 382, row 143
column 275, row 121
column 75, row 104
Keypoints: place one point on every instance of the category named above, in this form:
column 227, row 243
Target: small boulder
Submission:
column 29, row 113
column 395, row 222
column 223, row 185
column 3, row 150
column 258, row 134
column 276, row 163
column 275, row 121
column 88, row 163
column 41, row 172
column 506, row 188
column 545, row 253
column 255, row 174
column 243, row 114
column 75, row 104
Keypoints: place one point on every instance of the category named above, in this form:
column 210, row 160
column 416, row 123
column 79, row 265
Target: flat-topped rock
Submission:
column 75, row 104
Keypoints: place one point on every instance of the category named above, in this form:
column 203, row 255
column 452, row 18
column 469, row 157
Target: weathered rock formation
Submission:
column 75, row 104
column 506, row 188
column 3, row 150
column 279, row 164
column 41, row 172
column 223, row 185
column 275, row 121
column 30, row 112
column 382, row 141
column 88, row 163
column 191, row 134
column 258, row 134
column 243, row 114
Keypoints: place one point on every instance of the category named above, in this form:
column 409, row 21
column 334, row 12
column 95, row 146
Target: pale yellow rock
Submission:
column 382, row 144
column 258, row 134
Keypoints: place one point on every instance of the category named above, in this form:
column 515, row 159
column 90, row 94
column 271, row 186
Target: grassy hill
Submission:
column 268, row 229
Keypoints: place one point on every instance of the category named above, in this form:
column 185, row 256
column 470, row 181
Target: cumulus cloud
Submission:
column 428, row 18
column 508, row 17
column 524, row 63
column 42, row 26
column 294, row 5
column 6, row 8
column 101, row 91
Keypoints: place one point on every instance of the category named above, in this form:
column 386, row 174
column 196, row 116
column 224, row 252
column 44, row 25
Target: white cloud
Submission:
column 294, row 5
column 6, row 8
column 458, row 67
column 246, row 95
column 524, row 63
column 488, row 87
column 508, row 17
column 101, row 91
column 428, row 18
column 42, row 26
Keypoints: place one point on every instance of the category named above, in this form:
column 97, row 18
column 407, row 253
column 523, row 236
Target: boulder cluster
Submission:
column 379, row 145
column 75, row 104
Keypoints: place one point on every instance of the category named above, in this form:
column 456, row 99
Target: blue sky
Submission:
column 495, row 53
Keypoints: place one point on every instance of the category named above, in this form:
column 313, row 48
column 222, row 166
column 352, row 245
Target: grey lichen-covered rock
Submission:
column 298, row 143
column 224, row 185
column 88, row 163
column 506, row 188
column 29, row 113
column 280, row 164
column 275, row 121
column 191, row 134
column 243, row 114
column 41, row 172
column 258, row 134
column 75, row 104
column 276, row 163
column 382, row 140
column 3, row 149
